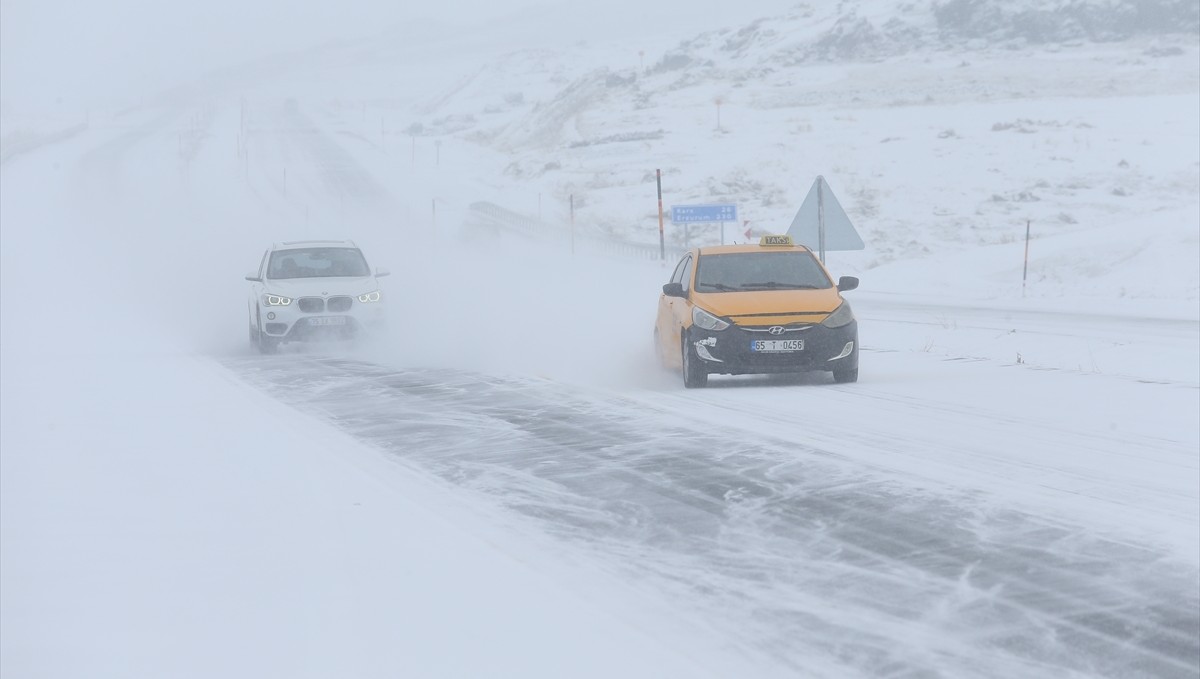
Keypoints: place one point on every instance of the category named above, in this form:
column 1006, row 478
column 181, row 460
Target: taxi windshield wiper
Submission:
column 719, row 286
column 775, row 285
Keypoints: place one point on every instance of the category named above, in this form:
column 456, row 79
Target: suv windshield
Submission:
column 317, row 263
column 738, row 272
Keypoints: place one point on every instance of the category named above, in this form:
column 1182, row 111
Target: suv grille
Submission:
column 311, row 305
column 339, row 304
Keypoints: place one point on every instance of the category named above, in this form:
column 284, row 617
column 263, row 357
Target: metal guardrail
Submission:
column 506, row 220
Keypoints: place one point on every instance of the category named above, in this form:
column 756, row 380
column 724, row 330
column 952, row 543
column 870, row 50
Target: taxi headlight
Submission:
column 372, row 296
column 841, row 316
column 703, row 319
column 276, row 300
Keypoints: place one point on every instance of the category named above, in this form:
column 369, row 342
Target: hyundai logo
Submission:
column 775, row 329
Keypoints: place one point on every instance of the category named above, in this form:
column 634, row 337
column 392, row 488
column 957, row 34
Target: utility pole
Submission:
column 662, row 244
column 1025, row 271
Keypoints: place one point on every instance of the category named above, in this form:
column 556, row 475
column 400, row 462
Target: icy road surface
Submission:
column 784, row 543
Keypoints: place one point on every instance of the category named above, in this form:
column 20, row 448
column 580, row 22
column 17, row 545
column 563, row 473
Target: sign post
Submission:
column 821, row 215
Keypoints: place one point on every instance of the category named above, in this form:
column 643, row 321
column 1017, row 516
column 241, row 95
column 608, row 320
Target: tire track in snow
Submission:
column 793, row 550
column 287, row 134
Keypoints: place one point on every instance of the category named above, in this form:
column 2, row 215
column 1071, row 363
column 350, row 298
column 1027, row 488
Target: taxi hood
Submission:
column 770, row 307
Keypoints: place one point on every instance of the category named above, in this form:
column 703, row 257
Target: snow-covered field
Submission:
column 507, row 484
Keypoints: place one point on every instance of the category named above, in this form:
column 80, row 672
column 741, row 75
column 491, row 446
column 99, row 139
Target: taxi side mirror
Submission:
column 674, row 290
column 380, row 272
column 253, row 276
column 847, row 283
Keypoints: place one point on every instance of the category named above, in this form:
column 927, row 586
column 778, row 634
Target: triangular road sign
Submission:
column 822, row 224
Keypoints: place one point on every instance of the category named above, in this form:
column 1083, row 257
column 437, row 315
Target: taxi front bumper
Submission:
column 730, row 351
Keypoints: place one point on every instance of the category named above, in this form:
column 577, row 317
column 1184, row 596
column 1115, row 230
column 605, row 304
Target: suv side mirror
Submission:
column 253, row 276
column 380, row 272
column 847, row 283
column 674, row 290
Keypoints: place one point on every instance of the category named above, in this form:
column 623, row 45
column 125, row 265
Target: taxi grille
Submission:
column 311, row 305
column 339, row 304
column 781, row 328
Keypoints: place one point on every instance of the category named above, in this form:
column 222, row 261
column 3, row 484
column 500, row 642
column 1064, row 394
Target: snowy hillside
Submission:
column 939, row 125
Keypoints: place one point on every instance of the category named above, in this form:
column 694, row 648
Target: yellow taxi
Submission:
column 766, row 308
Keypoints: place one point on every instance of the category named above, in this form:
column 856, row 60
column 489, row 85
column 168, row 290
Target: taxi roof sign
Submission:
column 767, row 241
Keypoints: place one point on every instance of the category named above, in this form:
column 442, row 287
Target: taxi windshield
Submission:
column 317, row 263
column 743, row 271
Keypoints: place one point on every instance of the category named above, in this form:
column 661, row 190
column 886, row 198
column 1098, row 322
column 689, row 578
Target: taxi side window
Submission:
column 678, row 275
column 687, row 274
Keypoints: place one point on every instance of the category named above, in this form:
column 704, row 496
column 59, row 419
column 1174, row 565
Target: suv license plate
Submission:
column 774, row 346
column 327, row 320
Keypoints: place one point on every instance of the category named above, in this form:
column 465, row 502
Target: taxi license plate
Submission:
column 327, row 320
column 775, row 346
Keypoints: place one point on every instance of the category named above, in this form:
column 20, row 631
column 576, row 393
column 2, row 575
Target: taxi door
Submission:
column 674, row 314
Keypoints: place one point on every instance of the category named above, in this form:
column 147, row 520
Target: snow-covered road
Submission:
column 907, row 535
column 1009, row 491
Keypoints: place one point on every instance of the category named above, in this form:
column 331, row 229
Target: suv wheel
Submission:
column 261, row 340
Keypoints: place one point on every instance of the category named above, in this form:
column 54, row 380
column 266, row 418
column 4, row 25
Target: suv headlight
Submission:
column 841, row 316
column 705, row 320
column 372, row 296
column 276, row 300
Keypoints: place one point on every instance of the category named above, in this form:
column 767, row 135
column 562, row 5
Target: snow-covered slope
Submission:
column 982, row 116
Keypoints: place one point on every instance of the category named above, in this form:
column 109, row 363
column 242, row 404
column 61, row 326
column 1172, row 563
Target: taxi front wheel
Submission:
column 694, row 374
column 846, row 376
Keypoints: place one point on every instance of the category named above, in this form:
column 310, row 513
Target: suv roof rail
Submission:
column 308, row 242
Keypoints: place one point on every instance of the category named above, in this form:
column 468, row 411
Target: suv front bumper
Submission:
column 292, row 325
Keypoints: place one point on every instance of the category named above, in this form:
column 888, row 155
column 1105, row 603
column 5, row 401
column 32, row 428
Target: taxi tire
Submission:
column 694, row 374
column 846, row 376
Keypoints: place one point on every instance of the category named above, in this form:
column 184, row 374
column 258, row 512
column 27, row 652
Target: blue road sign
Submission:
column 719, row 212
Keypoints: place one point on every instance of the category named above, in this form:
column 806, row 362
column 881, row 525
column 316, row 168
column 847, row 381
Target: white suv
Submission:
column 305, row 290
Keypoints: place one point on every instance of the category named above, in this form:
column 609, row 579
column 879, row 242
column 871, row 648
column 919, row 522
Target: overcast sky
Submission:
column 85, row 51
